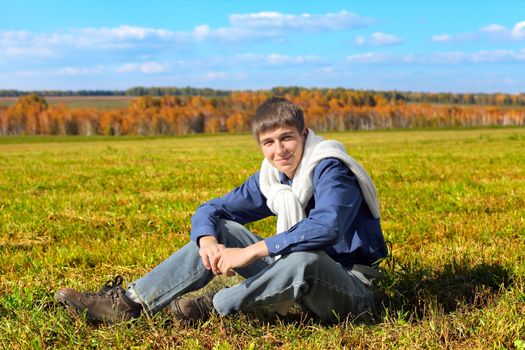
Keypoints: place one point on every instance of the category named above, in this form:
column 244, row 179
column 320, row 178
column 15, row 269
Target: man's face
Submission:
column 283, row 147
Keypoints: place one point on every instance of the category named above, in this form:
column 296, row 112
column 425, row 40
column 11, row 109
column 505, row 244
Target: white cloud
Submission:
column 21, row 74
column 144, row 67
column 243, row 28
column 305, row 21
column 214, row 76
column 518, row 31
column 446, row 58
column 360, row 40
column 371, row 57
column 201, row 32
column 443, row 38
column 123, row 37
column 32, row 52
column 495, row 32
column 495, row 56
column 13, row 36
column 28, row 45
column 274, row 25
column 447, row 38
column 204, row 33
column 385, row 39
column 276, row 59
column 125, row 32
column 87, row 36
column 73, row 71
column 492, row 28
column 327, row 70
column 285, row 59
column 22, row 43
column 379, row 39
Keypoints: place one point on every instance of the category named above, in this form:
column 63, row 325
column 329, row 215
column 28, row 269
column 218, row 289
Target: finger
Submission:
column 214, row 259
column 225, row 268
column 205, row 261
column 219, row 265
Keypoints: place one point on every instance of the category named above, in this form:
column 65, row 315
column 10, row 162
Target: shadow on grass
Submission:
column 410, row 293
column 413, row 294
column 416, row 293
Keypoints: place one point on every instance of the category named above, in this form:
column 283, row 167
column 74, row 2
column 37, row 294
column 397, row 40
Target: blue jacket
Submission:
column 338, row 219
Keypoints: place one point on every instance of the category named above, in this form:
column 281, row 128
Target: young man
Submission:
column 328, row 237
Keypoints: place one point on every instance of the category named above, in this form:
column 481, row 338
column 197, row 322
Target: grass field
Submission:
column 98, row 102
column 75, row 212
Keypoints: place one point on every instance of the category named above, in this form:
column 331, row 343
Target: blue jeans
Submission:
column 324, row 286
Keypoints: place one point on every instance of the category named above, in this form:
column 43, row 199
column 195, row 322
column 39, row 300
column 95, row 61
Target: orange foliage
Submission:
column 331, row 110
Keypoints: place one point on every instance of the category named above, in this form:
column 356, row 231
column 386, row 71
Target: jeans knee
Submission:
column 221, row 226
column 303, row 259
column 233, row 234
column 225, row 227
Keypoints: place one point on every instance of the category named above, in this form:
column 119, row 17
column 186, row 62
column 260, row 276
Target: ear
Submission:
column 305, row 132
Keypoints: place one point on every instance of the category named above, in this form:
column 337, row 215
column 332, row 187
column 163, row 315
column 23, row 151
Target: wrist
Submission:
column 206, row 240
column 258, row 250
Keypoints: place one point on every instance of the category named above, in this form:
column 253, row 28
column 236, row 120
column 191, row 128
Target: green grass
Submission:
column 98, row 102
column 76, row 211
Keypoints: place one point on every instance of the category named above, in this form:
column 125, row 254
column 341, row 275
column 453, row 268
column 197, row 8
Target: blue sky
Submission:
column 457, row 46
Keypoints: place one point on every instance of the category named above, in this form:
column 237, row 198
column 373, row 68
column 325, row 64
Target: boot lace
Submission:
column 110, row 287
column 204, row 305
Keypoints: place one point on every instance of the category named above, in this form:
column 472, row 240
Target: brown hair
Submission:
column 277, row 112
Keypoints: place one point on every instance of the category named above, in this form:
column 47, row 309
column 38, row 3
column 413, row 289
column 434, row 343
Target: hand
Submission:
column 233, row 258
column 209, row 252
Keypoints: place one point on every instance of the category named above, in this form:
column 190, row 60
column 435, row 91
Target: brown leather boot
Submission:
column 109, row 305
column 193, row 309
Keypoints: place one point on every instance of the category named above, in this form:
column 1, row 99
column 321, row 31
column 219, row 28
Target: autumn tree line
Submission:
column 325, row 110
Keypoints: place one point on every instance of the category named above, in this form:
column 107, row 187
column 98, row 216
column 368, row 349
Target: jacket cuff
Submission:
column 277, row 244
column 203, row 231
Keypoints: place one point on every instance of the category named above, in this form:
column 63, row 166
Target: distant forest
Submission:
column 483, row 99
column 325, row 110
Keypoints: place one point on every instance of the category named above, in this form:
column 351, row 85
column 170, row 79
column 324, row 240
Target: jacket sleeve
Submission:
column 244, row 204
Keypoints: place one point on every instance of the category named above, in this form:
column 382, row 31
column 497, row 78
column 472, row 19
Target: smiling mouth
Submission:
column 284, row 159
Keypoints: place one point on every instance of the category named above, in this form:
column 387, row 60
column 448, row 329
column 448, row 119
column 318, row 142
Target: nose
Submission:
column 280, row 149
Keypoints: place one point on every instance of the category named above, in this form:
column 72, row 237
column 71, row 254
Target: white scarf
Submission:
column 289, row 202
